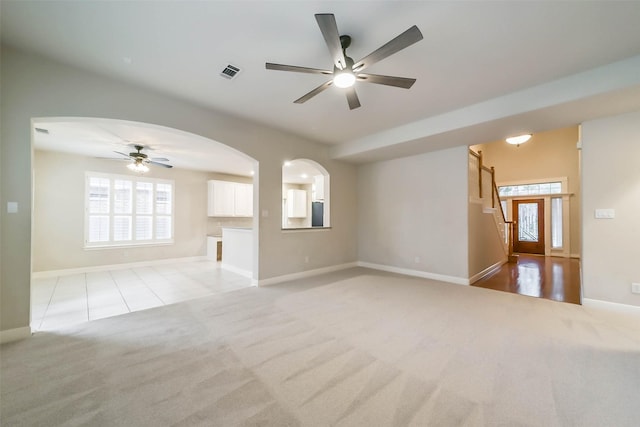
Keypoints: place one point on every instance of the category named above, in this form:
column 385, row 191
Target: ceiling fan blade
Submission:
column 314, row 92
column 352, row 98
column 329, row 29
column 406, row 39
column 281, row 67
column 123, row 154
column 402, row 82
column 159, row 159
column 159, row 164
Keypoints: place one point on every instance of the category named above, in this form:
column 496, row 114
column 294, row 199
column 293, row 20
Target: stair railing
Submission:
column 495, row 196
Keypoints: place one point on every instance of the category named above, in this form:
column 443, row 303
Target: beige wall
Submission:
column 413, row 213
column 611, row 180
column 58, row 214
column 486, row 248
column 551, row 154
column 33, row 87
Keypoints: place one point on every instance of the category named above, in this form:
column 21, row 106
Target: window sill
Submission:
column 127, row 246
column 311, row 229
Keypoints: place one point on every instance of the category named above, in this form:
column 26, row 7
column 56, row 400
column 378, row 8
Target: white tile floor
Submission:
column 61, row 301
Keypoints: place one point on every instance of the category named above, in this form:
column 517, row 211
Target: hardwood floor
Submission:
column 552, row 278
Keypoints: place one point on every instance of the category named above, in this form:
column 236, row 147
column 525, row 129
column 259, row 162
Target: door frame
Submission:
column 565, row 251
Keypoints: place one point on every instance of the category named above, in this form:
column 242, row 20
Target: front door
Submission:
column 529, row 217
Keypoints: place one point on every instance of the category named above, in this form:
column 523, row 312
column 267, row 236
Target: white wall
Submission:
column 611, row 180
column 58, row 214
column 33, row 87
column 412, row 213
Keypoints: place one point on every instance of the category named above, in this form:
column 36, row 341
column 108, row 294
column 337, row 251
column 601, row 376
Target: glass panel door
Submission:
column 529, row 217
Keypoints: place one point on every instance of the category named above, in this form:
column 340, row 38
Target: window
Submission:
column 125, row 211
column 556, row 222
column 530, row 189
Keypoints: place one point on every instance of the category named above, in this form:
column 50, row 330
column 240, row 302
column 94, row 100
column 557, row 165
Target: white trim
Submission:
column 305, row 274
column 487, row 271
column 16, row 334
column 242, row 272
column 611, row 306
column 94, row 268
column 416, row 273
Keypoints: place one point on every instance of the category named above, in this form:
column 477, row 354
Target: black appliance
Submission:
column 317, row 213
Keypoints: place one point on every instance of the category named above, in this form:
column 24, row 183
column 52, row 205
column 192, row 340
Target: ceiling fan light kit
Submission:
column 344, row 79
column 345, row 71
column 138, row 167
column 140, row 160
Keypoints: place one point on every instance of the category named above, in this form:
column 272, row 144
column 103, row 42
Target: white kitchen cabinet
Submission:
column 243, row 200
column 296, row 203
column 229, row 199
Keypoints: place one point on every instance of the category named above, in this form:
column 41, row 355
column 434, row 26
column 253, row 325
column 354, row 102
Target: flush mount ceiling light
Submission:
column 520, row 139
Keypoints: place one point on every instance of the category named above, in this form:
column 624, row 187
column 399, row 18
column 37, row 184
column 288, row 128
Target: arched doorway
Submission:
column 107, row 240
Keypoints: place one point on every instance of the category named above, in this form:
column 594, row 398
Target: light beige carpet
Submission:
column 367, row 350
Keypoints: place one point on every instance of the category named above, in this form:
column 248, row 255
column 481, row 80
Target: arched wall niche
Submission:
column 306, row 195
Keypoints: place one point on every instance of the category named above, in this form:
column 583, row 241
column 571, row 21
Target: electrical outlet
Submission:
column 306, row 259
column 417, row 260
column 635, row 288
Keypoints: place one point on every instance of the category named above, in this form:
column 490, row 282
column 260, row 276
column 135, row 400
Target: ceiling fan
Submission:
column 345, row 71
column 140, row 160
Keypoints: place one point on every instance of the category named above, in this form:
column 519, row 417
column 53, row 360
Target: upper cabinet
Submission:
column 243, row 200
column 229, row 199
column 296, row 203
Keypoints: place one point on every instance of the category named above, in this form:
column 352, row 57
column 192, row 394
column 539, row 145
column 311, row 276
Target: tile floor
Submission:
column 61, row 301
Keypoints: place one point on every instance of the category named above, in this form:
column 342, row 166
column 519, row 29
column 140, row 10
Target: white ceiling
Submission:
column 101, row 138
column 472, row 52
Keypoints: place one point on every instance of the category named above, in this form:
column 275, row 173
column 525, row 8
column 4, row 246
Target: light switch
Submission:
column 12, row 207
column 605, row 213
column 265, row 213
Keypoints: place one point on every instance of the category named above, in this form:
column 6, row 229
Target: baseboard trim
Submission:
column 245, row 273
column 16, row 334
column 574, row 256
column 94, row 268
column 611, row 306
column 305, row 274
column 487, row 271
column 415, row 273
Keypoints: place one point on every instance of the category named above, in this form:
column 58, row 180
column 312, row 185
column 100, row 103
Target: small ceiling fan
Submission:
column 140, row 160
column 345, row 71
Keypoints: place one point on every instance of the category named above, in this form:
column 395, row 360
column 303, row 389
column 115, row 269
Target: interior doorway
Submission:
column 529, row 217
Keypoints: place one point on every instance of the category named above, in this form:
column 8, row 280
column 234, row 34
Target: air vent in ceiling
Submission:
column 42, row 130
column 230, row 71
